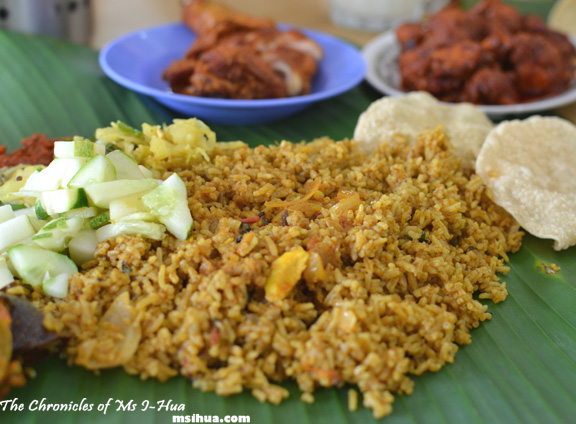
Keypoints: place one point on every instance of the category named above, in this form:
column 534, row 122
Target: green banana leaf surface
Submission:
column 519, row 368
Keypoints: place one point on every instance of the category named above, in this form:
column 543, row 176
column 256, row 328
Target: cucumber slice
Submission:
column 149, row 230
column 87, row 212
column 40, row 211
column 97, row 170
column 125, row 206
column 6, row 276
column 79, row 147
column 57, row 233
column 58, row 201
column 146, row 172
column 82, row 246
column 14, row 231
column 139, row 216
column 73, row 166
column 6, row 213
column 26, row 211
column 169, row 202
column 16, row 206
column 35, row 265
column 102, row 194
column 54, row 176
column 126, row 167
column 100, row 220
column 56, row 286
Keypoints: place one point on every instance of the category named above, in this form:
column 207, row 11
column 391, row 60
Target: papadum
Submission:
column 397, row 119
column 530, row 167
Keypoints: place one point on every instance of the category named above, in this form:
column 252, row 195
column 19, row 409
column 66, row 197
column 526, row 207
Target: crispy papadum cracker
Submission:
column 395, row 119
column 562, row 17
column 530, row 167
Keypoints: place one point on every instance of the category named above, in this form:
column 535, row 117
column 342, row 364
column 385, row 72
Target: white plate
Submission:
column 382, row 53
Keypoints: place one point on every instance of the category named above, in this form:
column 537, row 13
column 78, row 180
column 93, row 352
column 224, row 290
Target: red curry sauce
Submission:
column 36, row 150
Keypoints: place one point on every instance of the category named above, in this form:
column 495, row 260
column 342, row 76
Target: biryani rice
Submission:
column 404, row 242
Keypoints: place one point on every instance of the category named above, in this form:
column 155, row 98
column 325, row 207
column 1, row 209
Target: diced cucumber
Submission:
column 57, row 233
column 6, row 213
column 100, row 220
column 139, row 216
column 126, row 166
column 40, row 211
column 57, row 201
column 6, row 276
column 34, row 181
column 131, row 131
column 56, row 286
column 150, row 230
column 14, row 231
column 74, row 165
column 82, row 246
column 35, row 265
column 146, row 172
column 17, row 206
column 124, row 206
column 97, row 170
column 79, row 147
column 87, row 212
column 102, row 194
column 36, row 223
column 169, row 202
column 25, row 211
column 54, row 176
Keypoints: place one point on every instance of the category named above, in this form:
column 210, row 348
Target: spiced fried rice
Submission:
column 392, row 254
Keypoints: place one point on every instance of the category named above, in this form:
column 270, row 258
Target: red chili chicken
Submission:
column 242, row 57
column 490, row 54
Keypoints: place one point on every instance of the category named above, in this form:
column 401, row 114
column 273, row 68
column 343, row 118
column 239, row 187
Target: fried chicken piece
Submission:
column 490, row 86
column 410, row 35
column 249, row 65
column 497, row 16
column 414, row 66
column 232, row 69
column 453, row 24
column 293, row 56
column 538, row 65
column 178, row 74
column 456, row 61
column 237, row 56
column 213, row 21
column 489, row 55
column 440, row 71
column 534, row 24
column 207, row 17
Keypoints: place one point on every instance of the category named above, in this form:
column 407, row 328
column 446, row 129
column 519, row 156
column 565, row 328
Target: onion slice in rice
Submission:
column 118, row 337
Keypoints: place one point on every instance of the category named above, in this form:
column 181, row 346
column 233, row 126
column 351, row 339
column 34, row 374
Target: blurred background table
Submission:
column 112, row 18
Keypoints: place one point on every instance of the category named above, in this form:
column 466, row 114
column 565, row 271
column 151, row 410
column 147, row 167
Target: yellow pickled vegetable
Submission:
column 160, row 147
column 13, row 180
column 286, row 272
column 315, row 270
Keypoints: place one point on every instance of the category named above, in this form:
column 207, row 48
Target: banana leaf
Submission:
column 519, row 368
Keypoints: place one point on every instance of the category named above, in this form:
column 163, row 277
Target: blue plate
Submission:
column 137, row 60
